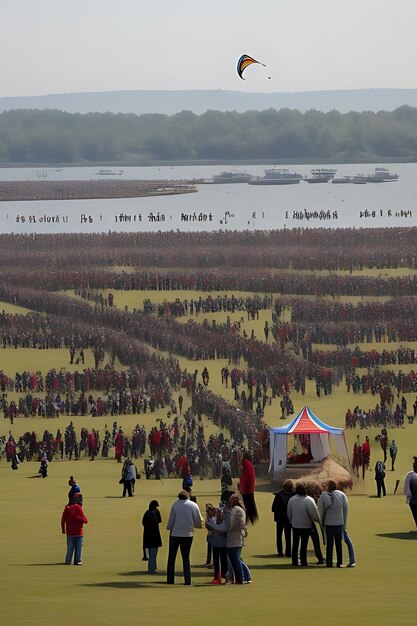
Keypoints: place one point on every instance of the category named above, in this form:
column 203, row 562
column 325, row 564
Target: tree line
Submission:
column 52, row 136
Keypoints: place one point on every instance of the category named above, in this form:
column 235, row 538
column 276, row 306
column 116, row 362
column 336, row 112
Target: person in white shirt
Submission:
column 184, row 517
column 333, row 509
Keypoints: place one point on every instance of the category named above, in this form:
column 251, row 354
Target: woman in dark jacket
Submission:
column 283, row 525
column 151, row 535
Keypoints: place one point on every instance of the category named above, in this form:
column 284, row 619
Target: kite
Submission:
column 243, row 63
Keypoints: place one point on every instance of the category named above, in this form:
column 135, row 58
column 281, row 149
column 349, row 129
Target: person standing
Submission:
column 128, row 477
column 43, row 470
column 366, row 455
column 302, row 513
column 283, row 525
column 74, row 488
column 236, row 533
column 383, row 440
column 184, row 517
column 217, row 527
column 11, row 453
column 410, row 490
column 151, row 535
column 247, row 488
column 72, row 522
column 333, row 509
column 379, row 477
column 393, row 450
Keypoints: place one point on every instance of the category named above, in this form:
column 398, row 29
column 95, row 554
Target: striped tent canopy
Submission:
column 306, row 423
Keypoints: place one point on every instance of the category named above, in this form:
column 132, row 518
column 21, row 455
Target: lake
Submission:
column 218, row 207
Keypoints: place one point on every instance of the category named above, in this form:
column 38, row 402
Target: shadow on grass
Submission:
column 131, row 585
column 35, row 476
column 410, row 536
column 284, row 566
column 43, row 564
column 117, row 585
column 207, row 574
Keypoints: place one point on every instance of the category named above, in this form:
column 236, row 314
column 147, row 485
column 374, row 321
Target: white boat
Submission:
column 109, row 172
column 360, row 179
column 382, row 175
column 276, row 176
column 231, row 177
column 321, row 175
column 342, row 180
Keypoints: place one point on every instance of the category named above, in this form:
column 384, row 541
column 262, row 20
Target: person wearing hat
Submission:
column 74, row 488
column 151, row 535
column 184, row 517
column 72, row 521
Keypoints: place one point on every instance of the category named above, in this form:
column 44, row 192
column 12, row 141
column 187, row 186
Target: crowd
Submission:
column 173, row 444
column 355, row 357
column 302, row 511
column 381, row 415
column 348, row 249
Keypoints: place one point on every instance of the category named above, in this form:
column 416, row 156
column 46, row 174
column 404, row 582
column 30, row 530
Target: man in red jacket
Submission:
column 72, row 522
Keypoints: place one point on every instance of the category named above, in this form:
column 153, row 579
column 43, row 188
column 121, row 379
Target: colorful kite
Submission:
column 243, row 63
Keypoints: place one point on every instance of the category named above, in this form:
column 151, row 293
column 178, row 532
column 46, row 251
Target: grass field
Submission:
column 113, row 586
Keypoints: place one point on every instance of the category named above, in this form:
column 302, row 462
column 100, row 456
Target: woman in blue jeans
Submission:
column 236, row 532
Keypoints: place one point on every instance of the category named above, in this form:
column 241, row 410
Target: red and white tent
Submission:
column 305, row 423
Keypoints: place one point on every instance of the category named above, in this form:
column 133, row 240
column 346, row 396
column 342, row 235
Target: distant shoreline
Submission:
column 22, row 191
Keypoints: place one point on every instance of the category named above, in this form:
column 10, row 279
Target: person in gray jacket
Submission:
column 128, row 477
column 333, row 509
column 184, row 517
column 302, row 513
column 236, row 533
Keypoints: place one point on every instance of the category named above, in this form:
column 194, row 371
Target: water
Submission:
column 218, row 207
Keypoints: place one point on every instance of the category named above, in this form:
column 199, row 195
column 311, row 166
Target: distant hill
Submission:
column 170, row 102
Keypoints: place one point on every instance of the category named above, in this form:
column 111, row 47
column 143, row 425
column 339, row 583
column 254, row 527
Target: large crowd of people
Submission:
column 260, row 368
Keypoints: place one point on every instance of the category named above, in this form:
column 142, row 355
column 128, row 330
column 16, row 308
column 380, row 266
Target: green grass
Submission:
column 112, row 586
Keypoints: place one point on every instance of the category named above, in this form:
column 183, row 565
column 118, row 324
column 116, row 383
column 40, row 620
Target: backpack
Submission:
column 380, row 469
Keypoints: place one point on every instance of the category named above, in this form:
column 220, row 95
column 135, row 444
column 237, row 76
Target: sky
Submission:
column 67, row 46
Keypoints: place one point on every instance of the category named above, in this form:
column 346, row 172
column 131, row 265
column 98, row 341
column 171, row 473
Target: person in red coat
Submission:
column 72, row 521
column 247, row 488
column 119, row 442
column 91, row 438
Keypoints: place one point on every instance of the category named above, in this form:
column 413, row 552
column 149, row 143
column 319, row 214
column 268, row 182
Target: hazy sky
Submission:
column 57, row 46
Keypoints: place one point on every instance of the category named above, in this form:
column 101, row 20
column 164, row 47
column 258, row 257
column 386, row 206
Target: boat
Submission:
column 321, row 175
column 360, row 179
column 382, row 175
column 277, row 176
column 109, row 172
column 342, row 180
column 231, row 177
